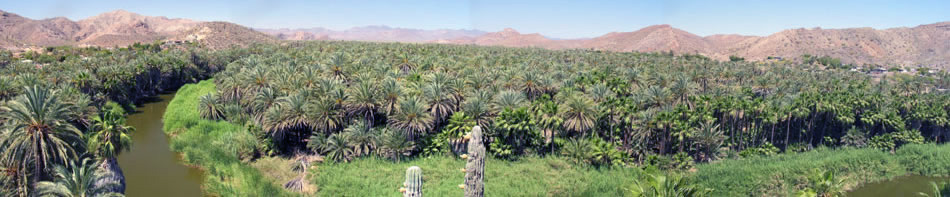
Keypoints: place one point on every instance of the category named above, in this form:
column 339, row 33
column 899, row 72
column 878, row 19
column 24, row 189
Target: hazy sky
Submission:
column 553, row 18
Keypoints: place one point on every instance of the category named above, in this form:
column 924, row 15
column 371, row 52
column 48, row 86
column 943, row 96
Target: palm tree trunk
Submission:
column 112, row 165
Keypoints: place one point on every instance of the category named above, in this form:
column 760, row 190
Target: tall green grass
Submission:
column 531, row 176
column 782, row 174
column 200, row 142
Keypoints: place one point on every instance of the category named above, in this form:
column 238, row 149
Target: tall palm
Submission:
column 78, row 179
column 38, row 132
column 578, row 113
column 264, row 99
column 287, row 118
column 412, row 117
column 441, row 102
column 109, row 137
column 326, row 113
column 391, row 90
column 363, row 102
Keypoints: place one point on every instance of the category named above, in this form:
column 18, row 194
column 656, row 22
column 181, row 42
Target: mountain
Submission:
column 924, row 44
column 17, row 31
column 372, row 33
column 220, row 35
column 512, row 38
column 118, row 28
column 652, row 38
column 121, row 27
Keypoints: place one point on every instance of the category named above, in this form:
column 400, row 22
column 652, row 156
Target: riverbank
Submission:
column 201, row 143
column 783, row 174
column 150, row 168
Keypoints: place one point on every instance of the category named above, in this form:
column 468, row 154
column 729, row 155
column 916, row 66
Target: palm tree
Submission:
column 109, row 137
column 412, row 118
column 509, row 100
column 263, row 100
column 440, row 100
column 708, row 141
column 363, row 102
column 660, row 185
column 326, row 113
column 580, row 150
column 393, row 144
column 78, row 180
column 578, row 113
column 391, row 90
column 209, row 108
column 362, row 137
column 478, row 105
column 38, row 132
column 338, row 147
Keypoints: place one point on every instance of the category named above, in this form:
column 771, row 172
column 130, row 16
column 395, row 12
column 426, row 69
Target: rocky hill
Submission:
column 921, row 45
column 927, row 45
column 118, row 28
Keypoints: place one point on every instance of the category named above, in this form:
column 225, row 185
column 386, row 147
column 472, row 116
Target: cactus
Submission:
column 413, row 184
column 475, row 168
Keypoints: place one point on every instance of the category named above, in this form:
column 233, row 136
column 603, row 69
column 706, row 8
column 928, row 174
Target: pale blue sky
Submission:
column 553, row 18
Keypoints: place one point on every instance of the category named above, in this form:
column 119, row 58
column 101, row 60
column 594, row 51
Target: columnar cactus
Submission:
column 413, row 184
column 475, row 168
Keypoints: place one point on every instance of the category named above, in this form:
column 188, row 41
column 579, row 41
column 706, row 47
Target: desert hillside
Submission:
column 927, row 45
column 119, row 28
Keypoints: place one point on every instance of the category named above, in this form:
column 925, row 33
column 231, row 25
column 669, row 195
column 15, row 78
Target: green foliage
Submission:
column 779, row 175
column 37, row 134
column 856, row 138
column 733, row 58
column 766, row 149
column 529, row 176
column 109, row 134
column 824, row 184
column 657, row 184
column 939, row 190
column 513, row 133
column 198, row 139
column 78, row 178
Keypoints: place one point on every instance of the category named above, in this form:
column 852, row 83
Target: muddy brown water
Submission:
column 150, row 167
column 905, row 186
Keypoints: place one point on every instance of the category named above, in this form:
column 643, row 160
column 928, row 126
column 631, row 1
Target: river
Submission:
column 150, row 167
column 904, row 186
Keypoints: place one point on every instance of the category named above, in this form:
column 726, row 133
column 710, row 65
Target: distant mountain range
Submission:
column 921, row 45
column 372, row 33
